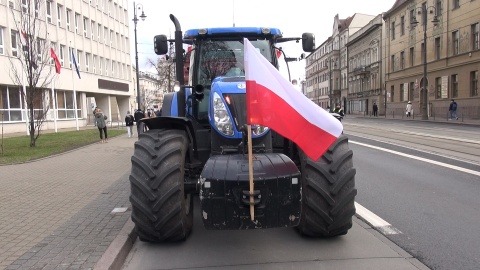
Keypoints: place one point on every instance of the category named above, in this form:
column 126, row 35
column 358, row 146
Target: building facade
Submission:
column 96, row 32
column 447, row 33
column 365, row 69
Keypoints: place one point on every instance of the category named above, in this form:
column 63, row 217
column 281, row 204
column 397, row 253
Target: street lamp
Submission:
column 331, row 82
column 423, row 10
column 135, row 20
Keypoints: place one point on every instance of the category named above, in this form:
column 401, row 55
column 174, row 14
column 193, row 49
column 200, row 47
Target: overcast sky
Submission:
column 293, row 19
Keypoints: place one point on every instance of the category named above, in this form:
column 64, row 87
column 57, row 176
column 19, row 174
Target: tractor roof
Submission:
column 229, row 31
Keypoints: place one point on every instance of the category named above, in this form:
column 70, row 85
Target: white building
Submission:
column 98, row 33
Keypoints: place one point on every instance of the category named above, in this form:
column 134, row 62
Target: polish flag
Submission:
column 58, row 66
column 272, row 101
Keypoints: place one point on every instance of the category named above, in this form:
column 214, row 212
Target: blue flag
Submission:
column 75, row 63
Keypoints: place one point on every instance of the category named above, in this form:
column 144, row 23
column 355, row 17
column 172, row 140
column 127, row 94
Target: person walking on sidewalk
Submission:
column 139, row 114
column 453, row 110
column 129, row 123
column 101, row 125
column 409, row 109
column 375, row 109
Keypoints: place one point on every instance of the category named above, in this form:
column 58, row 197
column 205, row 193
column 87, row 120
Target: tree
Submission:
column 165, row 68
column 31, row 64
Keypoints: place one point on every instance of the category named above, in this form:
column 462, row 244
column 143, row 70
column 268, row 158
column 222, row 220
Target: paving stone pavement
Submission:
column 56, row 213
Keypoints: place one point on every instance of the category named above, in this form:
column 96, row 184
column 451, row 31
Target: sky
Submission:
column 293, row 18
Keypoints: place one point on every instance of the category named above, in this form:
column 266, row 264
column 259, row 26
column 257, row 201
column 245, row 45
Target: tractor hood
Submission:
column 229, row 85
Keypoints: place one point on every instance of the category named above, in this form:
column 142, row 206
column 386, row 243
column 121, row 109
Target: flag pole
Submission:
column 250, row 171
column 54, row 107
column 74, row 91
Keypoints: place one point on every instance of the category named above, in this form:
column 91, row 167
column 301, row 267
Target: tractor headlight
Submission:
column 222, row 119
column 258, row 130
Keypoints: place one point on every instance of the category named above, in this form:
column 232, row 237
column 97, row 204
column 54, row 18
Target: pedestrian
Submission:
column 453, row 110
column 129, row 123
column 138, row 115
column 409, row 109
column 338, row 110
column 101, row 125
column 375, row 109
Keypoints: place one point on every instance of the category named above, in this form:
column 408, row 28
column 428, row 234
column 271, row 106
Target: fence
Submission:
column 440, row 113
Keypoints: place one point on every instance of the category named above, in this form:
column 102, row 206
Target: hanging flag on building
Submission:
column 272, row 101
column 58, row 66
column 75, row 64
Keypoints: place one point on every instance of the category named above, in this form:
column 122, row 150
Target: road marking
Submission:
column 453, row 167
column 375, row 221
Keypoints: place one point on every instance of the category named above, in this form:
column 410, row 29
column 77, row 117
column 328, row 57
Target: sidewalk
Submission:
column 56, row 213
column 460, row 121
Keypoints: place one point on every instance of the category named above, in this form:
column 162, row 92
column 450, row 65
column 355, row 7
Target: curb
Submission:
column 117, row 252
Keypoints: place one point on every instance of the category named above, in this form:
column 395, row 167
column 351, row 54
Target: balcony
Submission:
column 362, row 70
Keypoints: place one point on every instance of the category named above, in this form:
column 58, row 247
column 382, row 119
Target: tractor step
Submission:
column 225, row 195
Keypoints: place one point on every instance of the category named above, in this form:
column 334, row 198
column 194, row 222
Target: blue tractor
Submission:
column 198, row 146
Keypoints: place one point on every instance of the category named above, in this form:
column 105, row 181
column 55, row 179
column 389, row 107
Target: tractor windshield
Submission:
column 225, row 58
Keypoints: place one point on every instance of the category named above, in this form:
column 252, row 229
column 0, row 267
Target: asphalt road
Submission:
column 430, row 193
column 421, row 178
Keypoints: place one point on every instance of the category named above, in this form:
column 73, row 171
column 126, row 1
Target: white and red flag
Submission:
column 272, row 101
column 58, row 66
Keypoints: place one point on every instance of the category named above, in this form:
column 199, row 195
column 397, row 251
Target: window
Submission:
column 105, row 33
column 438, row 87
column 412, row 56
column 411, row 89
column 99, row 31
column 11, row 4
column 392, row 92
column 106, row 66
column 70, row 52
column 475, row 36
column 62, row 57
column 67, row 17
column 49, row 11
column 412, row 17
column 87, row 62
column 393, row 30
column 402, row 25
column 66, row 104
column 94, row 63
column 92, row 30
column 437, row 48
column 40, row 45
column 25, row 6
column 11, row 103
column 37, row 6
column 455, row 42
column 438, row 7
column 120, row 43
column 456, row 4
column 113, row 68
column 78, row 59
column 85, row 26
column 2, row 46
column 77, row 17
column 111, row 38
column 100, row 65
column 128, row 72
column 402, row 92
column 392, row 68
column 14, row 41
column 402, row 60
column 474, row 83
column 59, row 15
column 455, row 85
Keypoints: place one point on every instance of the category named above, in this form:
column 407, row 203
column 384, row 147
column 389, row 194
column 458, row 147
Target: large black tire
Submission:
column 161, row 211
column 328, row 192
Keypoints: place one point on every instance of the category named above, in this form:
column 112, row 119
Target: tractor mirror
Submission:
column 308, row 42
column 160, row 44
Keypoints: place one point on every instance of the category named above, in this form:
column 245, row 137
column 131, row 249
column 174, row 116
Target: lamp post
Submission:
column 135, row 20
column 423, row 10
column 332, row 62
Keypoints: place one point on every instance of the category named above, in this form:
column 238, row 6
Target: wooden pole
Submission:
column 250, row 171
